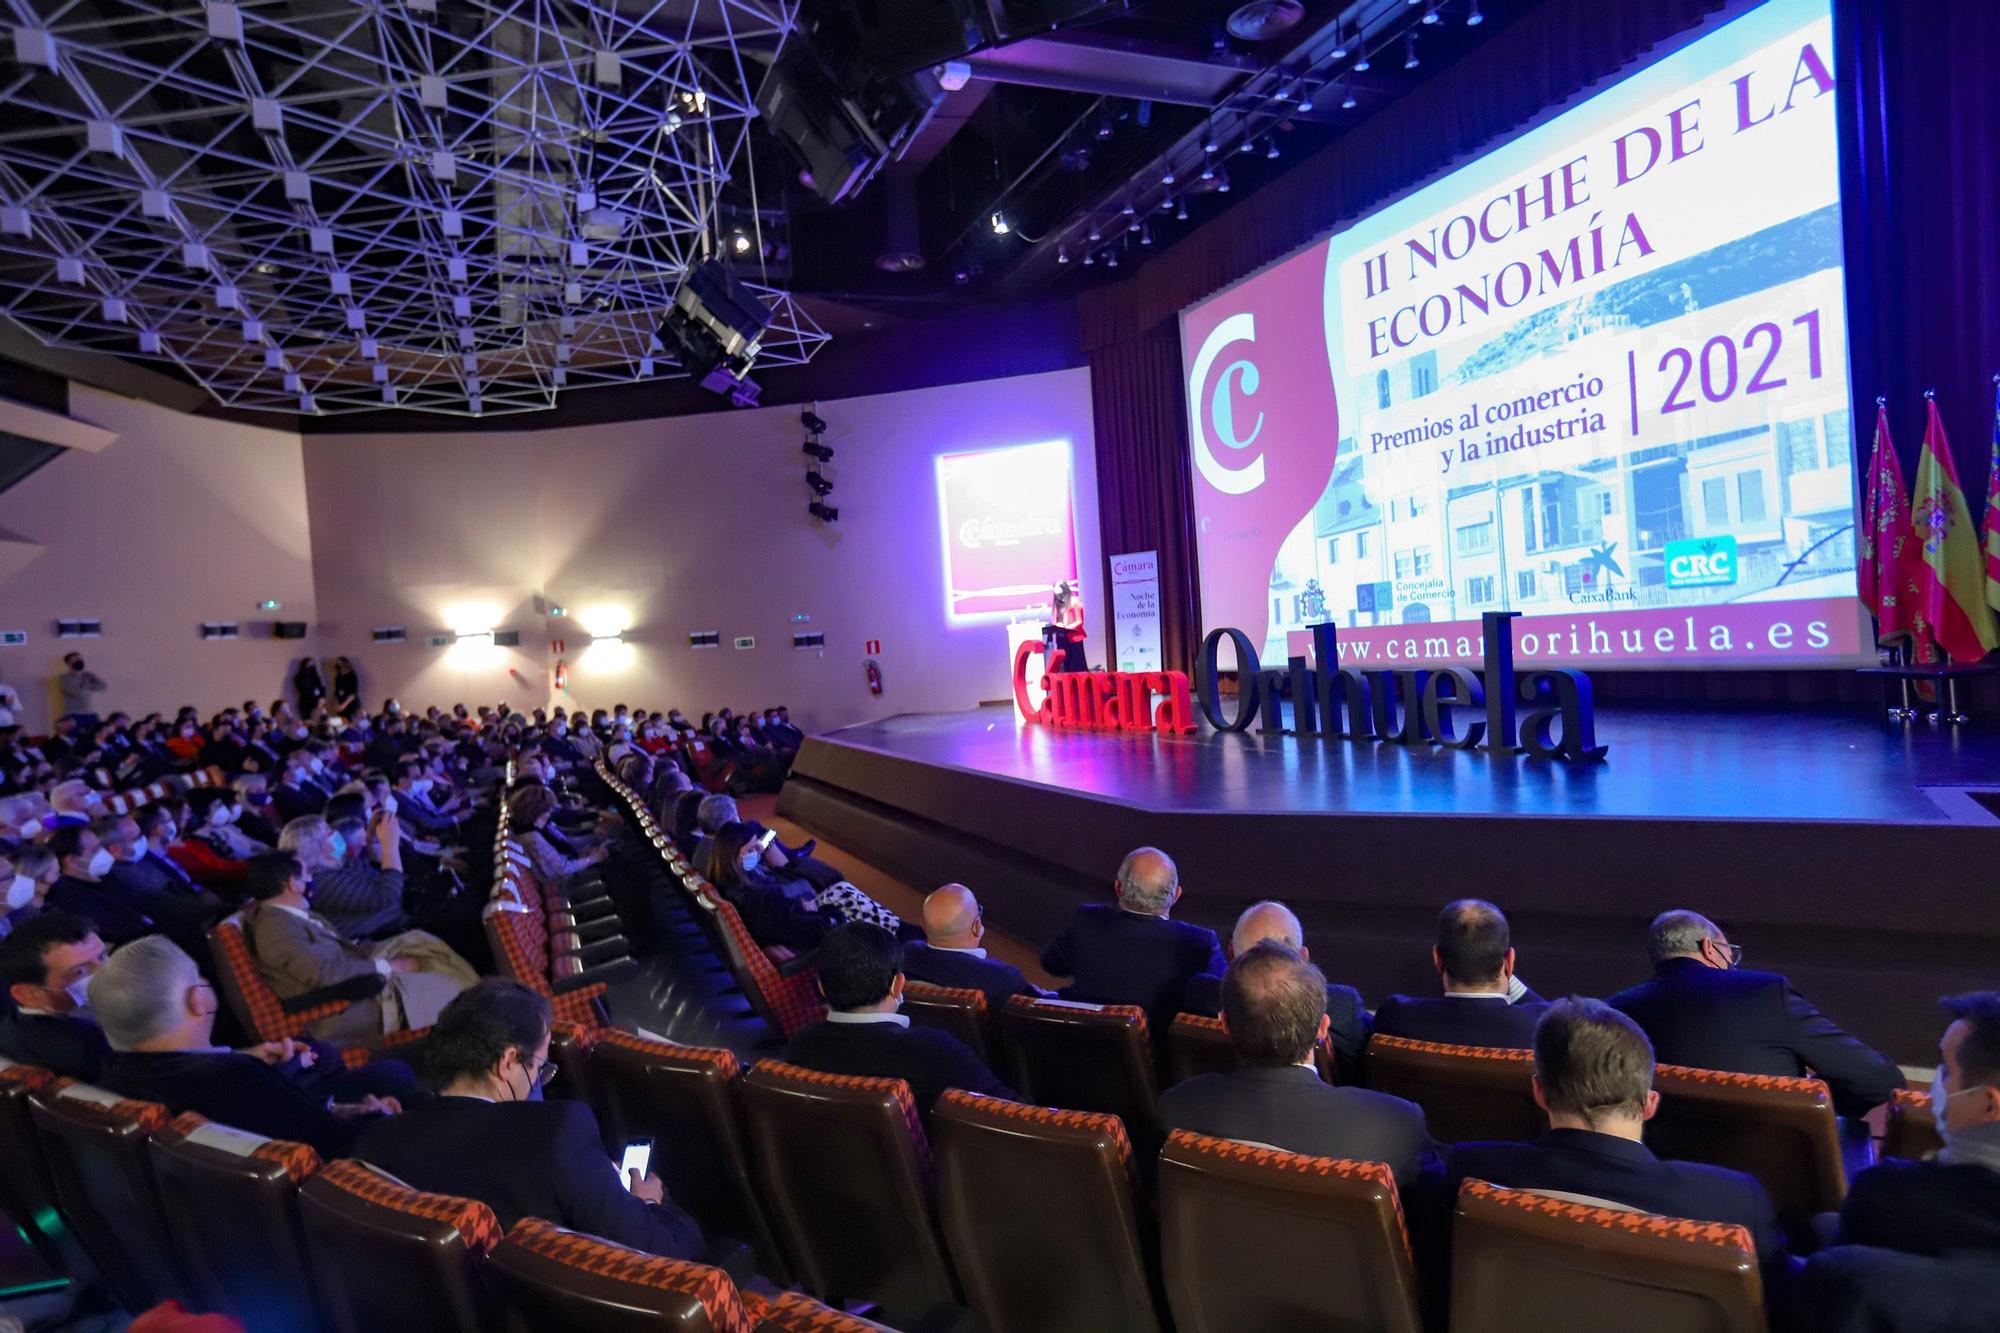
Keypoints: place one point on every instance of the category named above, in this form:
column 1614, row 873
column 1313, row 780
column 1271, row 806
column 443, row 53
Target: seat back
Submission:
column 844, row 1166
column 1911, row 1131
column 391, row 1258
column 255, row 1005
column 1037, row 1207
column 547, row 1277
column 686, row 1098
column 95, row 1144
column 1467, row 1092
column 1084, row 1058
column 1198, row 1045
column 1780, row 1130
column 960, row 1011
column 1251, row 1237
column 27, row 1191
column 232, row 1205
column 792, row 1312
column 1523, row 1260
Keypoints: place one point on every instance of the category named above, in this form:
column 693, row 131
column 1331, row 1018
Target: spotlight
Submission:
column 1431, row 16
column 1410, row 60
column 1180, row 212
column 1222, row 183
column 1348, row 103
column 999, row 224
column 1167, row 176
column 824, row 513
column 817, row 452
column 1062, row 255
column 1129, row 209
column 1208, row 173
column 739, row 243
column 1247, row 146
column 1272, row 151
column 1475, row 18
column 1111, row 260
column 1096, row 234
column 812, row 422
column 1145, row 236
column 1089, row 259
column 1136, row 224
column 1339, row 51
column 1305, row 104
column 1364, row 64
column 820, row 485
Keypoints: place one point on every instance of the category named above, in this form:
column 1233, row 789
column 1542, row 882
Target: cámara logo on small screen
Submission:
column 1219, row 413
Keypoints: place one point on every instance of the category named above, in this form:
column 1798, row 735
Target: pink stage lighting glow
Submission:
column 1007, row 526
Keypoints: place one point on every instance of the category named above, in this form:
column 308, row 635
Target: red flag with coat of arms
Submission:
column 1886, row 540
column 1992, row 543
column 1950, row 614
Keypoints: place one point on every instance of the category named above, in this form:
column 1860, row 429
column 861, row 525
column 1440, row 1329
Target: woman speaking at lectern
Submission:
column 1063, row 637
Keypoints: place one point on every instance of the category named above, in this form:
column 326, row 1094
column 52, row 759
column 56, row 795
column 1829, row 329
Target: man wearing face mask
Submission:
column 158, row 1015
column 150, row 886
column 413, row 806
column 1953, row 1202
column 19, row 888
column 46, row 965
column 358, row 899
column 83, row 890
column 296, row 796
column 485, row 1138
column 78, row 689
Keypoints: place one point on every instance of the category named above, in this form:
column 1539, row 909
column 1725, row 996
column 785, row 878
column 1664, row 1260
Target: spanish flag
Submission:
column 1950, row 613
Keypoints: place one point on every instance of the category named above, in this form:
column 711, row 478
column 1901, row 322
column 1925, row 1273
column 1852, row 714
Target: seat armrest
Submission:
column 796, row 964
column 354, row 988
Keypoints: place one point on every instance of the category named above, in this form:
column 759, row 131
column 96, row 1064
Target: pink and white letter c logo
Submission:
column 1220, row 413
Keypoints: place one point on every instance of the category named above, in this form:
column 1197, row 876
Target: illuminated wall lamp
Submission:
column 616, row 637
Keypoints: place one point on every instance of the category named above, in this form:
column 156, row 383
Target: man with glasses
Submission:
column 488, row 1137
column 158, row 1013
column 1703, row 1009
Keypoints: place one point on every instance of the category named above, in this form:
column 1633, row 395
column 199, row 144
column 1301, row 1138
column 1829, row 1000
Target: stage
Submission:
column 1807, row 835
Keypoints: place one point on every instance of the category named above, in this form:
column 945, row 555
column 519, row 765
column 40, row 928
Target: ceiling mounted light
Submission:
column 1475, row 18
column 1431, row 15
column 1180, row 213
column 1305, row 104
column 1167, row 176
column 1410, row 60
column 999, row 224
column 1062, row 256
column 1262, row 20
column 1129, row 209
column 1348, row 103
column 739, row 243
column 1339, row 51
column 1111, row 260
column 1364, row 64
column 1088, row 260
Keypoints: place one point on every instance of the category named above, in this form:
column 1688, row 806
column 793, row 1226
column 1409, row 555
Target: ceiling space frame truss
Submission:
column 324, row 206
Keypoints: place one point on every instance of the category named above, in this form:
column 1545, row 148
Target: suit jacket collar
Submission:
column 1280, row 1076
column 1679, row 967
column 1608, row 1147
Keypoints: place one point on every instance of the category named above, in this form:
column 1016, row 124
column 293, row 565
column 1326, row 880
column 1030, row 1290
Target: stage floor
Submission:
column 1662, row 765
column 1844, row 852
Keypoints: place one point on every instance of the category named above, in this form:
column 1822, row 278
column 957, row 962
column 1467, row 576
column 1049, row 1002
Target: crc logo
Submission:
column 1239, row 379
column 1701, row 562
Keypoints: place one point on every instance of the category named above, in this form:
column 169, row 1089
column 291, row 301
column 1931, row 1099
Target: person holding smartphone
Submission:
column 486, row 1135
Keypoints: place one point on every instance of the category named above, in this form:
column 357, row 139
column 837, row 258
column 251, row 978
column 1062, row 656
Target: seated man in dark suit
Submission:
column 158, row 1014
column 46, row 963
column 1594, row 1077
column 1133, row 953
column 484, row 1138
column 83, row 890
column 1952, row 1203
column 1274, row 1004
column 950, row 953
column 1347, row 1021
column 861, row 975
column 1700, row 1009
column 155, row 886
column 1483, row 1003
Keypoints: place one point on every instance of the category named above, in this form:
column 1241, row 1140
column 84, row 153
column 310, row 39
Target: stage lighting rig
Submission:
column 713, row 330
column 824, row 513
column 820, row 485
column 812, row 422
column 816, row 451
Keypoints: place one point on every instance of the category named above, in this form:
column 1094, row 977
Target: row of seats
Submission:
column 177, row 1208
column 563, row 940
column 125, row 802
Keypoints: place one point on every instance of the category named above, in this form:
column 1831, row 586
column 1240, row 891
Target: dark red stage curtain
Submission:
column 1143, row 497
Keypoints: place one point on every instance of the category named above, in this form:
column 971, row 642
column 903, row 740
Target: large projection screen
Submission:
column 1597, row 376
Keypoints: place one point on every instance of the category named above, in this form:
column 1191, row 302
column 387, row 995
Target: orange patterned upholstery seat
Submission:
column 1197, row 1044
column 1038, row 1207
column 547, row 1277
column 961, row 1012
column 1084, row 1058
column 391, row 1257
column 1241, row 1225
column 689, row 1097
column 1468, row 1092
column 258, row 1008
column 791, row 1312
column 1911, row 1131
column 27, row 1191
column 95, row 1145
column 843, row 1165
column 232, row 1203
column 1522, row 1260
column 1780, row 1130
column 787, row 1003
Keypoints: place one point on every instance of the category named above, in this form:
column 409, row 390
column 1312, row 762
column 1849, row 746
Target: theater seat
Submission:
column 27, row 1191
column 1084, row 1058
column 260, row 1011
column 1198, row 1045
column 1468, row 1093
column 1526, row 1261
column 1255, row 1238
column 787, row 1002
column 232, row 1204
column 95, row 1144
column 1780, row 1130
column 791, row 1312
column 546, row 1277
column 687, row 1099
column 1038, row 1210
column 961, row 1012
column 844, row 1167
column 1911, row 1129
column 390, row 1258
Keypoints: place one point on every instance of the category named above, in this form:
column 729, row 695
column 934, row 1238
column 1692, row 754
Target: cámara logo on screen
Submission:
column 1220, row 413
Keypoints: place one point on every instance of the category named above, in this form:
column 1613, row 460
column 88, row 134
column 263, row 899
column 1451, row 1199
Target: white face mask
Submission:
column 222, row 814
column 389, row 805
column 136, row 851
column 79, row 993
column 100, row 863
column 20, row 892
column 750, row 860
column 316, row 765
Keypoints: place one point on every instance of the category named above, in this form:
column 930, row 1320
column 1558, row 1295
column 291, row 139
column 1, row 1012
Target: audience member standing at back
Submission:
column 1134, row 953
column 1482, row 1004
column 1701, row 1009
